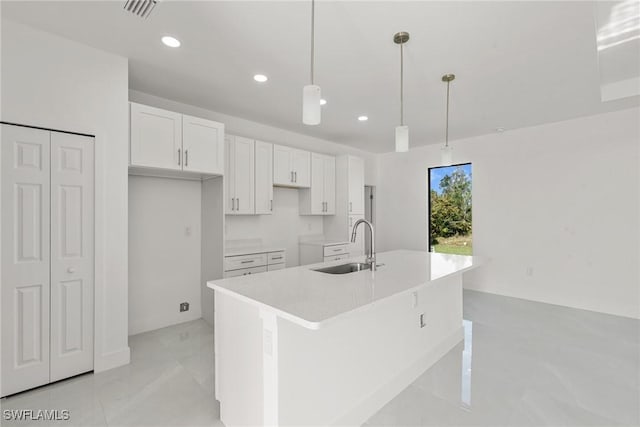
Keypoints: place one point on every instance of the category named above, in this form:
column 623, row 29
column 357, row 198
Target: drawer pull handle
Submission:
column 337, row 250
column 247, row 261
column 278, row 257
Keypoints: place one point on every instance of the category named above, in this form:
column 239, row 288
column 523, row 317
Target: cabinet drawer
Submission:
column 276, row 257
column 336, row 257
column 273, row 267
column 244, row 261
column 244, row 271
column 335, row 250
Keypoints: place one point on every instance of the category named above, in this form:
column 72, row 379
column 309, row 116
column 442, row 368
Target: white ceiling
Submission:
column 517, row 63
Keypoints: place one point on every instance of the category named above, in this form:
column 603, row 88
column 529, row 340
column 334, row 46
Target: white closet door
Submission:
column 72, row 259
column 25, row 258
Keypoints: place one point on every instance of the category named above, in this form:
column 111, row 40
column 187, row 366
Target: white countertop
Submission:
column 325, row 242
column 311, row 298
column 247, row 250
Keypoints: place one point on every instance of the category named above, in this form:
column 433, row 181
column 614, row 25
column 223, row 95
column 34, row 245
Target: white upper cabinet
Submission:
column 203, row 145
column 239, row 175
column 329, row 166
column 356, row 185
column 320, row 199
column 171, row 141
column 263, row 177
column 301, row 164
column 156, row 137
column 291, row 167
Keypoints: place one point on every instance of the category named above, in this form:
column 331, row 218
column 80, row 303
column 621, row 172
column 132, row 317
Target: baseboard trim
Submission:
column 112, row 360
column 376, row 400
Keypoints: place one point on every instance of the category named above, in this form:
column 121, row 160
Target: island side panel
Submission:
column 344, row 372
column 238, row 358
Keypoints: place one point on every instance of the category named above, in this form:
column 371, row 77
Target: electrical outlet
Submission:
column 529, row 271
column 423, row 322
column 184, row 306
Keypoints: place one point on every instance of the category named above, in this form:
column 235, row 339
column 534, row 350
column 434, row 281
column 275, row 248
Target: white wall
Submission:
column 561, row 198
column 164, row 252
column 281, row 228
column 53, row 82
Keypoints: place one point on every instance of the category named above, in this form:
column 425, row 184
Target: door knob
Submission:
column 71, row 270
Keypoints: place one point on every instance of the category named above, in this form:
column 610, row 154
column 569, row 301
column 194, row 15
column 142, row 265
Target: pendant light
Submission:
column 402, row 131
column 311, row 93
column 446, row 155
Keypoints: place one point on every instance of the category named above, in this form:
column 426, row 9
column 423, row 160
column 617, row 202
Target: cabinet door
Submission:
column 264, row 177
column 71, row 255
column 329, row 166
column 282, row 165
column 156, row 137
column 244, row 175
column 356, row 186
column 301, row 168
column 25, row 279
column 316, row 192
column 229, row 175
column 203, row 145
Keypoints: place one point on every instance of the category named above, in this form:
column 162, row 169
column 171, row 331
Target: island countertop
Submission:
column 312, row 298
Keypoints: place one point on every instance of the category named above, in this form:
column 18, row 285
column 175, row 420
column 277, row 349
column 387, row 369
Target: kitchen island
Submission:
column 303, row 347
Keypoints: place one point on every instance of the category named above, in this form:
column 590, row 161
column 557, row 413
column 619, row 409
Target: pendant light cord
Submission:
column 446, row 134
column 401, row 84
column 313, row 20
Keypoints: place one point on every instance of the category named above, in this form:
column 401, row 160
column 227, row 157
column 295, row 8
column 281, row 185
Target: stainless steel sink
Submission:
column 352, row 267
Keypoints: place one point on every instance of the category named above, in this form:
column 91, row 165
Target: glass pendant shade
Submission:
column 446, row 156
column 311, row 105
column 402, row 139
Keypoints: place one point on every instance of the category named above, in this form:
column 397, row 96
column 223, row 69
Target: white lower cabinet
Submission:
column 245, row 271
column 253, row 262
column 47, row 277
column 317, row 251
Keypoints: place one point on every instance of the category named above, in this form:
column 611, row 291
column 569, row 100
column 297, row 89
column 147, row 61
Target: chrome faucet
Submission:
column 371, row 256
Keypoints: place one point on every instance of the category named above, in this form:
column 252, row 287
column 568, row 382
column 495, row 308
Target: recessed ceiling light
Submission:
column 363, row 118
column 260, row 78
column 323, row 102
column 499, row 129
column 171, row 41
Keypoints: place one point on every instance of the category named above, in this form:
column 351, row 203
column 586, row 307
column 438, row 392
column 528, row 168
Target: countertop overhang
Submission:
column 313, row 299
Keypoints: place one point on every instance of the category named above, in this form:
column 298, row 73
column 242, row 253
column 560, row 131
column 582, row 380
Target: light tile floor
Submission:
column 522, row 364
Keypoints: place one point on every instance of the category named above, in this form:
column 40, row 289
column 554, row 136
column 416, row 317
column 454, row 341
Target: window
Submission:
column 450, row 221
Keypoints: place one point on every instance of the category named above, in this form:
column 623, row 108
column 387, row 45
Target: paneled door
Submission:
column 72, row 259
column 25, row 259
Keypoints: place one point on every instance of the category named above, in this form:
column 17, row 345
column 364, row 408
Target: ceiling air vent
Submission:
column 142, row 8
